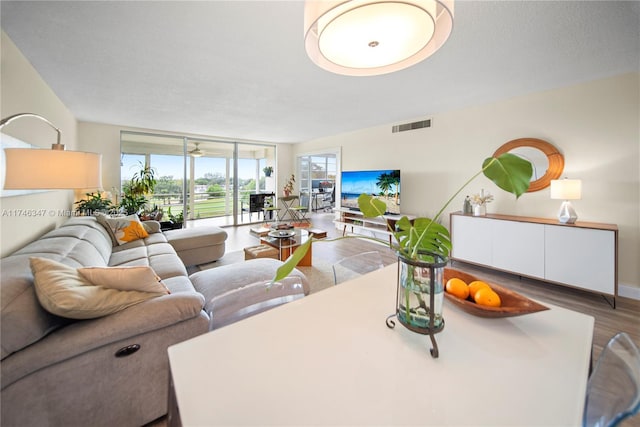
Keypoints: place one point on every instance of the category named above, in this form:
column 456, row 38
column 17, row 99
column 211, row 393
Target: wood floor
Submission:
column 608, row 321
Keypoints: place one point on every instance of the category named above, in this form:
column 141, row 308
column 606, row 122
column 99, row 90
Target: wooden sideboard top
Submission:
column 549, row 221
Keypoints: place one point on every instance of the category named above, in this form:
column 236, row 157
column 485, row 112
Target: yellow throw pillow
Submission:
column 126, row 229
column 63, row 291
column 142, row 279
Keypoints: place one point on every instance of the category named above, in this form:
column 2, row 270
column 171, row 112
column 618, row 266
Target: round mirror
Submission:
column 546, row 160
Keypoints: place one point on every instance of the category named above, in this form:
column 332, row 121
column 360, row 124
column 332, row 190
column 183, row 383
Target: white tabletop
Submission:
column 329, row 359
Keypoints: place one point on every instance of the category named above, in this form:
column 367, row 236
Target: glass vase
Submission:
column 420, row 295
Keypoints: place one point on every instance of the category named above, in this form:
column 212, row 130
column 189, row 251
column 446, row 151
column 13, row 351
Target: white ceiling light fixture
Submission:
column 196, row 152
column 367, row 38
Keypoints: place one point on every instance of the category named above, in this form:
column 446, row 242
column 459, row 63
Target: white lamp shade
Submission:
column 42, row 169
column 566, row 189
column 372, row 37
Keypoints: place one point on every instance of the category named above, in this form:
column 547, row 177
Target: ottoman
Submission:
column 199, row 245
column 261, row 251
column 233, row 293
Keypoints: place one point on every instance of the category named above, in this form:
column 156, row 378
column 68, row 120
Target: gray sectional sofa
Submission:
column 110, row 370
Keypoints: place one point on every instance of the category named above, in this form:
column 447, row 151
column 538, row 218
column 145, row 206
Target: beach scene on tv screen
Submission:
column 382, row 184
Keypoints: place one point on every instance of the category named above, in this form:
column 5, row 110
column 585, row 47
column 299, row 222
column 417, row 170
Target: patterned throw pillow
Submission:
column 125, row 229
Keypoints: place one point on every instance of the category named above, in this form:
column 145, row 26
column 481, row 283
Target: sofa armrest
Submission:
column 86, row 335
column 151, row 226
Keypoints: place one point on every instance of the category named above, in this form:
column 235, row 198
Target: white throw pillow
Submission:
column 63, row 291
column 142, row 279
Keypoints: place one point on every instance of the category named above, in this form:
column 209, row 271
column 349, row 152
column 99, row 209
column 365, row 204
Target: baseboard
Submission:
column 628, row 291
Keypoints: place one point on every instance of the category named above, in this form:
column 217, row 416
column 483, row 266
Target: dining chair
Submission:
column 613, row 389
column 356, row 265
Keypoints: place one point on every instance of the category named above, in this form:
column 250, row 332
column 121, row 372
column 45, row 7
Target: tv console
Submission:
column 353, row 221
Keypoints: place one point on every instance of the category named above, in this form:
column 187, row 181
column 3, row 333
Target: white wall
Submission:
column 595, row 125
column 24, row 91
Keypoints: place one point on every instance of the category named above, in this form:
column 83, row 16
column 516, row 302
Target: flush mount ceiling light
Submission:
column 366, row 38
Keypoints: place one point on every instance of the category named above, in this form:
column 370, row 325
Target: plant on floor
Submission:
column 415, row 237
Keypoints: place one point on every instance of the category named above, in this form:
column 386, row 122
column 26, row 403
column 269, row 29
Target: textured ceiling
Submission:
column 238, row 69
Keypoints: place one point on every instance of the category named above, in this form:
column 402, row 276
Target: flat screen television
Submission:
column 383, row 184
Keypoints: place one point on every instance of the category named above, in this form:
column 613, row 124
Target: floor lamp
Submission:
column 42, row 169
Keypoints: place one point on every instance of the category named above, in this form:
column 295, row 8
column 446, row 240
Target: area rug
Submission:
column 320, row 275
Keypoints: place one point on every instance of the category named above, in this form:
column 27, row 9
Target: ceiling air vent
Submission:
column 411, row 126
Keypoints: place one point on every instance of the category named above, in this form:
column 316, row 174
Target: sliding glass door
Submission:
column 196, row 176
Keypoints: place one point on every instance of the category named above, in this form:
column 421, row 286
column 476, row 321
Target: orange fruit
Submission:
column 457, row 288
column 487, row 297
column 475, row 286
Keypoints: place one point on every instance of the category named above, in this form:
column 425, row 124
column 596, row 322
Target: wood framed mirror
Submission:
column 547, row 161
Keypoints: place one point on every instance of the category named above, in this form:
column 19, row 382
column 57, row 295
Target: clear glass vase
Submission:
column 420, row 294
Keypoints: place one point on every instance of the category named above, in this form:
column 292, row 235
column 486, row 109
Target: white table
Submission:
column 329, row 359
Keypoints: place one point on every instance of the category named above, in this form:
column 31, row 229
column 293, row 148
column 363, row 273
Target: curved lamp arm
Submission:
column 7, row 120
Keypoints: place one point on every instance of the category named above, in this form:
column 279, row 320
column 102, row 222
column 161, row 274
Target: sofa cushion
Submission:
column 126, row 229
column 64, row 292
column 23, row 321
column 142, row 279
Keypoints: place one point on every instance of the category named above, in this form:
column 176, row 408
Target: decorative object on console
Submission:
column 55, row 169
column 546, row 160
column 467, row 209
column 479, row 202
column 366, row 38
column 423, row 246
column 566, row 189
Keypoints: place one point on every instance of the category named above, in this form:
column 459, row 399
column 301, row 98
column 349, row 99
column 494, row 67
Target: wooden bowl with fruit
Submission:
column 485, row 299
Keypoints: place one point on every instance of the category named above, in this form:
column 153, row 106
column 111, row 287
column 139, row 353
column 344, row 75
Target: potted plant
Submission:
column 423, row 246
column 288, row 187
column 135, row 192
column 268, row 170
column 175, row 221
column 93, row 203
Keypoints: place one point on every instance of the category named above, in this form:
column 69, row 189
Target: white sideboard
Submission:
column 582, row 255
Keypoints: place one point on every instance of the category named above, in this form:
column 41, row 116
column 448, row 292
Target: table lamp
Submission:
column 566, row 189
